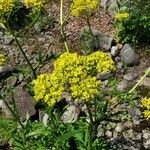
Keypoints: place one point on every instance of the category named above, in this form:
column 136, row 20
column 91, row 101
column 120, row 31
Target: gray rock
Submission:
column 105, row 41
column 147, row 144
column 24, row 103
column 104, row 75
column 67, row 97
column 8, row 39
column 98, row 40
column 71, row 114
column 146, row 134
column 146, row 82
column 119, row 128
column 38, row 27
column 108, row 134
column 119, row 65
column 135, row 113
column 114, row 50
column 128, row 124
column 128, row 55
column 110, row 5
column 123, row 86
column 130, row 76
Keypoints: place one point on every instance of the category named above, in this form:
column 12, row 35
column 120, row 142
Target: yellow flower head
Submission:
column 79, row 7
column 145, row 103
column 6, row 6
column 2, row 59
column 75, row 74
column 121, row 16
column 35, row 3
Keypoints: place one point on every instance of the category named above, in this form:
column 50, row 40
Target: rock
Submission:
column 123, row 86
column 6, row 71
column 135, row 113
column 71, row 114
column 98, row 40
column 147, row 144
column 38, row 26
column 128, row 124
column 130, row 76
column 131, row 134
column 119, row 128
column 114, row 50
column 146, row 134
column 8, row 39
column 128, row 55
column 67, row 97
column 104, row 75
column 24, row 103
column 108, row 134
column 146, row 82
column 110, row 5
column 119, row 65
column 100, row 131
column 1, row 105
column 105, row 41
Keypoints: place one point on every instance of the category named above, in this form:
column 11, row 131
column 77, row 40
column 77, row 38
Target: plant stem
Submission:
column 90, row 128
column 62, row 26
column 24, row 54
column 142, row 78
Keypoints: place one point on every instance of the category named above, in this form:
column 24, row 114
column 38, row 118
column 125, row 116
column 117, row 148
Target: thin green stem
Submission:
column 62, row 26
column 90, row 128
column 14, row 114
column 24, row 54
column 142, row 78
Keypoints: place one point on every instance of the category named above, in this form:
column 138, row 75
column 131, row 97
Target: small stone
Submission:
column 128, row 55
column 146, row 134
column 146, row 82
column 119, row 128
column 104, row 75
column 131, row 134
column 147, row 143
column 67, row 97
column 1, row 35
column 8, row 39
column 135, row 113
column 108, row 134
column 119, row 65
column 128, row 124
column 114, row 50
column 139, row 136
column 119, row 46
column 123, row 86
column 71, row 114
column 130, row 76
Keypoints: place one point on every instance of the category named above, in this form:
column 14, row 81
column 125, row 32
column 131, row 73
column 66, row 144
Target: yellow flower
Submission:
column 75, row 74
column 2, row 59
column 79, row 7
column 6, row 6
column 35, row 3
column 121, row 16
column 145, row 103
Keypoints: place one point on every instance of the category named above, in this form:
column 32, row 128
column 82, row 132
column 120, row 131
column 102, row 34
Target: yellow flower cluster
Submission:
column 74, row 74
column 121, row 16
column 145, row 102
column 2, row 59
column 35, row 3
column 79, row 7
column 6, row 6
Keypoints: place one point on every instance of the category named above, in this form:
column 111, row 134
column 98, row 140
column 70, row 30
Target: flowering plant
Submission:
column 74, row 74
column 145, row 103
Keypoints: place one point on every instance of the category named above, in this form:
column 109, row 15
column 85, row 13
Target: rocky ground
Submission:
column 130, row 134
